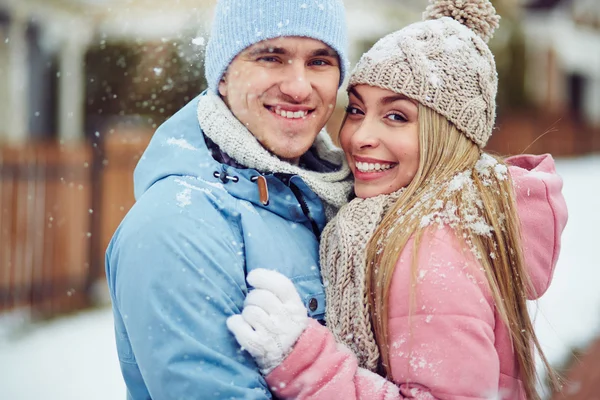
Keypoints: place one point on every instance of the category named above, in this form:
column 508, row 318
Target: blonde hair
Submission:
column 445, row 151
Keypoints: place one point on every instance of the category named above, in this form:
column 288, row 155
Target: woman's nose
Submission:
column 365, row 136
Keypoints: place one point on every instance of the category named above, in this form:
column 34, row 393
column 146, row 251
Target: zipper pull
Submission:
column 263, row 190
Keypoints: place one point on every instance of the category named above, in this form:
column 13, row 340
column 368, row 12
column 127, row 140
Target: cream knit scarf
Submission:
column 345, row 238
column 343, row 266
column 232, row 137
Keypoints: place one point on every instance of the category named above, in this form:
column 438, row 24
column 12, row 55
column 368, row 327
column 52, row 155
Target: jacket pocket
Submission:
column 124, row 347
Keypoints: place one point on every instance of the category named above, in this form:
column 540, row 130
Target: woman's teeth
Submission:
column 290, row 114
column 372, row 167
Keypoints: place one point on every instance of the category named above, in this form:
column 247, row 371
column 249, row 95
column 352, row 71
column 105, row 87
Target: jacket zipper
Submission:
column 305, row 209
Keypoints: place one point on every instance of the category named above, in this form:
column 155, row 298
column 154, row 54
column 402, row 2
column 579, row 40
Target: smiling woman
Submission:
column 435, row 257
column 283, row 90
column 380, row 137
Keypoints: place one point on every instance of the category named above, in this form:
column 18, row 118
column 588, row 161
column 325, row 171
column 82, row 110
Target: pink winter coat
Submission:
column 454, row 345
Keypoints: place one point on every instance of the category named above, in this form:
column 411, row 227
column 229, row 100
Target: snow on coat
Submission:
column 453, row 345
column 177, row 265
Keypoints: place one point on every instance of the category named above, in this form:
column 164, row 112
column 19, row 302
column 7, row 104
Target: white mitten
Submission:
column 272, row 320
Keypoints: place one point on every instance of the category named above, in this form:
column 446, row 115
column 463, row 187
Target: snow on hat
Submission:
column 443, row 62
column 241, row 23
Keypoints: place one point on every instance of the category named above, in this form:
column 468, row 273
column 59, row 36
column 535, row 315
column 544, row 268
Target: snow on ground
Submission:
column 72, row 358
column 75, row 357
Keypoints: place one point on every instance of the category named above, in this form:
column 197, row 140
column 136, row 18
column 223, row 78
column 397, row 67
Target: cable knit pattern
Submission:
column 225, row 130
column 442, row 64
column 345, row 239
column 455, row 345
column 343, row 264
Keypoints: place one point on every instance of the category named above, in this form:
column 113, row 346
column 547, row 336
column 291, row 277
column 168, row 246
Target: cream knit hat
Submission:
column 443, row 63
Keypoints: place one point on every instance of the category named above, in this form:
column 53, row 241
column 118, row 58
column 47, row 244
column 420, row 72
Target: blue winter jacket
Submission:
column 177, row 264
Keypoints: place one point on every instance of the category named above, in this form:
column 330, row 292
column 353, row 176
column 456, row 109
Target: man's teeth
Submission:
column 290, row 114
column 371, row 167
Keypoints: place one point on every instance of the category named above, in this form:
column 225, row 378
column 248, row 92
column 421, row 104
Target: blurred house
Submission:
column 71, row 71
column 83, row 84
column 563, row 44
column 43, row 46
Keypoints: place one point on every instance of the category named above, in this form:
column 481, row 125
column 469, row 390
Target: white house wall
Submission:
column 577, row 50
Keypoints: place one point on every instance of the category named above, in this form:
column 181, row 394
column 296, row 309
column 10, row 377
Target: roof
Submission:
column 544, row 4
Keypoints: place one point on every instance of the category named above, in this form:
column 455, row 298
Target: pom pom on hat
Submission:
column 478, row 15
column 443, row 62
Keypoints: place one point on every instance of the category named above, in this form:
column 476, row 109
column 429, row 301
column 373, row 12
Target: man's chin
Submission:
column 290, row 153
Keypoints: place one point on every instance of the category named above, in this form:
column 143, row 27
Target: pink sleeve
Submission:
column 442, row 350
column 319, row 368
column 444, row 343
column 543, row 213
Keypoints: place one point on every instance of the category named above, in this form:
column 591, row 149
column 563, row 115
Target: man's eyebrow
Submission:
column 266, row 50
column 324, row 52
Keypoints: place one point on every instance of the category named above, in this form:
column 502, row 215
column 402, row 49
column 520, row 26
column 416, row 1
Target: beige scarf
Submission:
column 225, row 130
column 345, row 238
column 343, row 266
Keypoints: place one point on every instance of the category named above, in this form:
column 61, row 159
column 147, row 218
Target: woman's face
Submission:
column 380, row 137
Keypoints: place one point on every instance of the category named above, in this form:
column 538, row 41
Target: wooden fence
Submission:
column 59, row 206
column 536, row 133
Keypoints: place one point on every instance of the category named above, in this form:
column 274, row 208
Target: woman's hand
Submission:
column 272, row 320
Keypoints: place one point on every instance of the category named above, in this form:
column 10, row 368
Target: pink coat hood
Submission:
column 453, row 345
column 543, row 212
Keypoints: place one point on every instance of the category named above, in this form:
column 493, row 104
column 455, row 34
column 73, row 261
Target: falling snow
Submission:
column 199, row 41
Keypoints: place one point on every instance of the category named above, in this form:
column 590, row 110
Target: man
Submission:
column 240, row 178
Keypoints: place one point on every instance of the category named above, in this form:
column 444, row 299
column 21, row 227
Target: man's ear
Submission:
column 223, row 87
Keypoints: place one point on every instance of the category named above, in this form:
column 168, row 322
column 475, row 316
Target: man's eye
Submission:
column 268, row 59
column 319, row 62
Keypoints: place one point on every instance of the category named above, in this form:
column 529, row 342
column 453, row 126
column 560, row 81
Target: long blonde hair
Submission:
column 445, row 151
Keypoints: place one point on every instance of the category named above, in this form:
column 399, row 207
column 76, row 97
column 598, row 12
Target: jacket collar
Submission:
column 333, row 185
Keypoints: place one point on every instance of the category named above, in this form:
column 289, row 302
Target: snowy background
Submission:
column 75, row 357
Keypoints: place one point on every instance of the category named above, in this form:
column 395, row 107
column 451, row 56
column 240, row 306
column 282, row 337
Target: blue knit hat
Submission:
column 239, row 24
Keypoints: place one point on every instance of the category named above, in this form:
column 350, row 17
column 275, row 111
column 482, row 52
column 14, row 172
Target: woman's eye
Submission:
column 396, row 117
column 353, row 110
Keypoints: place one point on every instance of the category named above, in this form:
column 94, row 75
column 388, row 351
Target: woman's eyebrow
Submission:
column 390, row 99
column 354, row 92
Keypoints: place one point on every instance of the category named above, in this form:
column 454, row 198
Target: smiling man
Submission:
column 242, row 177
column 283, row 90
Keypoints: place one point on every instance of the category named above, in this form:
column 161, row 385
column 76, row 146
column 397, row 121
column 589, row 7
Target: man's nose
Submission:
column 296, row 83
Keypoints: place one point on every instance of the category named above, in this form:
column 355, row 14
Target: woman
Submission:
column 426, row 273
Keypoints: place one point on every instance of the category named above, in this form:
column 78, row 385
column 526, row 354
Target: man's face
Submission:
column 284, row 91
